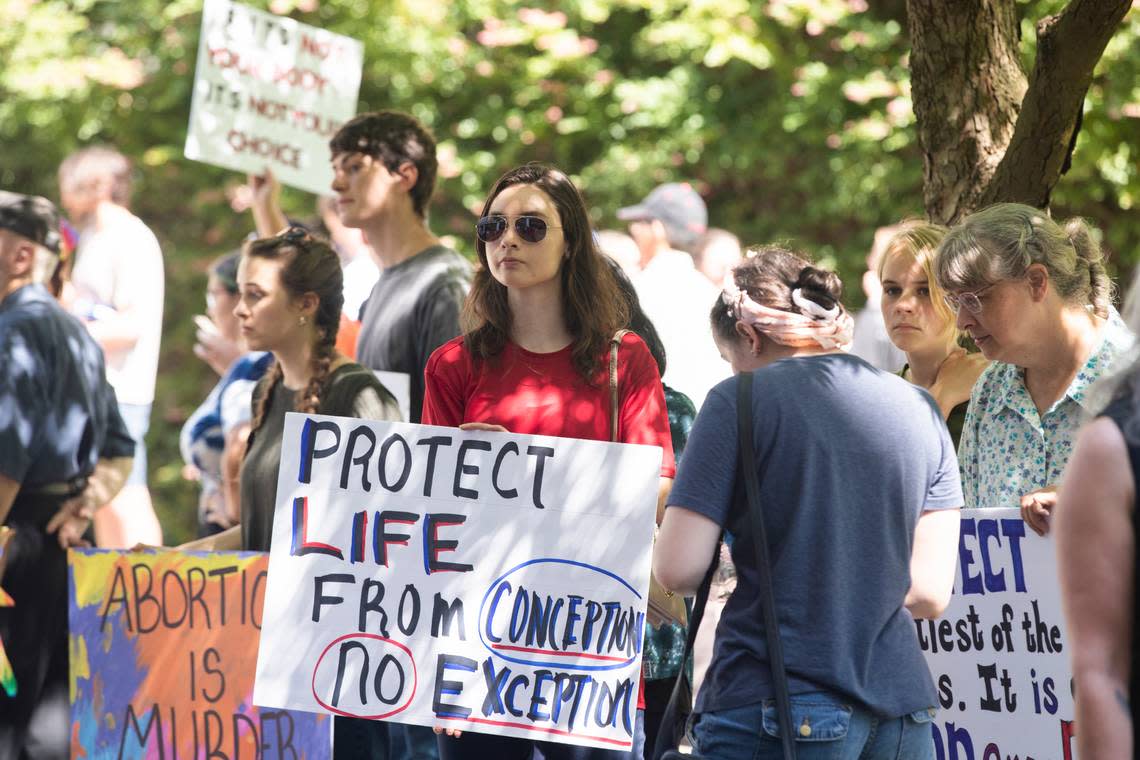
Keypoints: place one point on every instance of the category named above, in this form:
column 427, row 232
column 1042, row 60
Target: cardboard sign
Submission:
column 999, row 656
column 483, row 581
column 270, row 92
column 163, row 647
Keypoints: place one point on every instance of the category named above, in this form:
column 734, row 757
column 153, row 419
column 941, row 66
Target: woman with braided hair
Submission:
column 290, row 297
column 1035, row 297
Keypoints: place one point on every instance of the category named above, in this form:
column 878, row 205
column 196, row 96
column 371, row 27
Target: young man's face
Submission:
column 365, row 189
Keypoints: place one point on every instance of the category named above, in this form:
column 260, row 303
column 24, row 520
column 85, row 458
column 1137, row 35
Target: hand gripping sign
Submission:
column 483, row 581
column 270, row 92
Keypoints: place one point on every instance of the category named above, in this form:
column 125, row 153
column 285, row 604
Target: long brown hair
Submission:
column 592, row 306
column 309, row 265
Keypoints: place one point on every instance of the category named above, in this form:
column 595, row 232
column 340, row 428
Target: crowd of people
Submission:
column 1004, row 339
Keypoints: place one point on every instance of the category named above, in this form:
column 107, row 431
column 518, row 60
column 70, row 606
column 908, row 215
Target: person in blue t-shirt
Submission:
column 860, row 491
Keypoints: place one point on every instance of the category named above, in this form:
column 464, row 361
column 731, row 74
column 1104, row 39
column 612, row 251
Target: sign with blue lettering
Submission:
column 483, row 581
column 998, row 655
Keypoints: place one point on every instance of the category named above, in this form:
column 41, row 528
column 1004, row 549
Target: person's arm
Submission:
column 70, row 522
column 228, row 540
column 1096, row 557
column 684, row 549
column 933, row 562
column 233, row 452
column 444, row 387
column 8, row 490
column 267, row 215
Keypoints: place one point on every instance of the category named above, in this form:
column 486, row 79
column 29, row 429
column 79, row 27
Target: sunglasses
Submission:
column 531, row 229
column 968, row 301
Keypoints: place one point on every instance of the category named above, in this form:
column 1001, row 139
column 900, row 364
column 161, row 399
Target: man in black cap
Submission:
column 667, row 227
column 64, row 450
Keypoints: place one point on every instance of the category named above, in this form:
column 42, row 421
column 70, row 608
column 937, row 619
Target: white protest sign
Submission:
column 483, row 581
column 998, row 655
column 399, row 384
column 270, row 92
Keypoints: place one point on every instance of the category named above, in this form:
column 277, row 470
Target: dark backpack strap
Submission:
column 759, row 538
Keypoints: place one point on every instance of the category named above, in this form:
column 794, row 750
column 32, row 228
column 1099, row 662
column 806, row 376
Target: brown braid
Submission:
column 273, row 376
column 309, row 401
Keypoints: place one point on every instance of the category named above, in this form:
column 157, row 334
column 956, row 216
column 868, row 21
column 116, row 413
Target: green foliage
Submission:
column 792, row 117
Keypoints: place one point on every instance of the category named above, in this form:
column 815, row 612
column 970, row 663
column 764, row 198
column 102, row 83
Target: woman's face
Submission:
column 269, row 317
column 913, row 324
column 220, row 305
column 1004, row 327
column 516, row 263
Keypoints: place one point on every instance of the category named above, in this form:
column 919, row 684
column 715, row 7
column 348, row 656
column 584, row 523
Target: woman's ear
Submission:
column 308, row 304
column 752, row 337
column 1038, row 278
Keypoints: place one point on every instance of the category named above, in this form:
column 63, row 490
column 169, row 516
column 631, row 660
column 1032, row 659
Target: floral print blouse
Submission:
column 1007, row 449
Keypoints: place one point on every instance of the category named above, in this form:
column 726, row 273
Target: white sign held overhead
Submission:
column 488, row 582
column 269, row 92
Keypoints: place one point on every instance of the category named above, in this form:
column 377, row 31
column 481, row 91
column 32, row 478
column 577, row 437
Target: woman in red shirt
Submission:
column 534, row 355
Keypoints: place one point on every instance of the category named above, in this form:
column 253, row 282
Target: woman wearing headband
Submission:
column 860, row 495
column 1036, row 299
column 921, row 324
column 532, row 359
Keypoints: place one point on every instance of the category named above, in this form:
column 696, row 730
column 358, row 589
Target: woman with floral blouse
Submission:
column 1034, row 296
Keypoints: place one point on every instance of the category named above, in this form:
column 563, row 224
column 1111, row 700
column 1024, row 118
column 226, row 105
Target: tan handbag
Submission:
column 665, row 607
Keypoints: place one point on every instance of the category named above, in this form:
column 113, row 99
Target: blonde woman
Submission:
column 921, row 324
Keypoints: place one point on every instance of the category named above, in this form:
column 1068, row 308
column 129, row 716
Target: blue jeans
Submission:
column 827, row 729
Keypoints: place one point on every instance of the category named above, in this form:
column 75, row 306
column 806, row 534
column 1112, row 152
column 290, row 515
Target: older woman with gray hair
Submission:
column 1034, row 296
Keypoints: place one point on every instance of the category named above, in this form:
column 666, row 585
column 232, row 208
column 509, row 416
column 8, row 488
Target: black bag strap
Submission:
column 670, row 733
column 759, row 539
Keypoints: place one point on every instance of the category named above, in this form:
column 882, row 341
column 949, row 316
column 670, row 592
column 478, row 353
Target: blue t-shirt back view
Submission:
column 848, row 459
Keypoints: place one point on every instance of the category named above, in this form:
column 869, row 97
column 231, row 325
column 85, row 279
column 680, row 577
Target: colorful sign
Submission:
column 483, row 581
column 270, row 92
column 163, row 647
column 999, row 656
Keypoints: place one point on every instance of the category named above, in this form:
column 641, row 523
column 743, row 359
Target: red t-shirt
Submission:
column 543, row 394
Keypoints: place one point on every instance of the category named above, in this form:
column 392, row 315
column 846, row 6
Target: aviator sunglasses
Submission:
column 531, row 229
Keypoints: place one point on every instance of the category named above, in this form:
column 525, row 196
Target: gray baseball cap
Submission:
column 677, row 206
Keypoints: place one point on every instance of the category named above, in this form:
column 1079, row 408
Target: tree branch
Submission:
column 1069, row 45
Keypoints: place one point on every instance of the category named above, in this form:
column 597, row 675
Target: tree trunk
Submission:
column 988, row 133
column 967, row 85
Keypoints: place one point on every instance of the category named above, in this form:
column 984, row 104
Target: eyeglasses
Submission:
column 970, row 301
column 532, row 229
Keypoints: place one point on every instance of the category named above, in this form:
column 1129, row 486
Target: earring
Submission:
column 302, row 320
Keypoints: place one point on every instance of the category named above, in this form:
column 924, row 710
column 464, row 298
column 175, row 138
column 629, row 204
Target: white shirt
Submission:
column 677, row 299
column 118, row 268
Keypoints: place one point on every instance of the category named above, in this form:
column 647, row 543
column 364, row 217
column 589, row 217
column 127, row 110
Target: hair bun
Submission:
column 820, row 285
